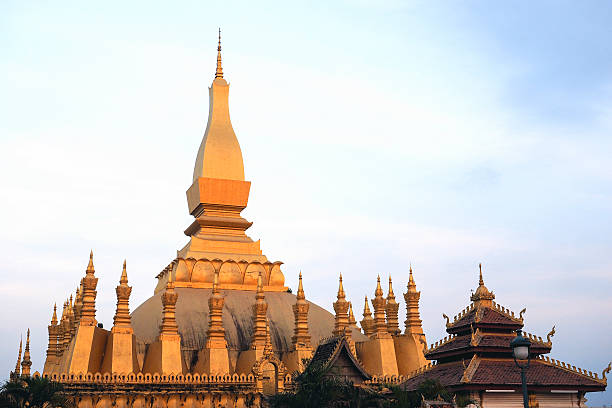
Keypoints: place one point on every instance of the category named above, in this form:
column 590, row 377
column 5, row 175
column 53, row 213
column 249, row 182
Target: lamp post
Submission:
column 520, row 351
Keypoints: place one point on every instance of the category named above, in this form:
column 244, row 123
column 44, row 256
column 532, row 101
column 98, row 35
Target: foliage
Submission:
column 315, row 387
column 318, row 387
column 428, row 390
column 32, row 392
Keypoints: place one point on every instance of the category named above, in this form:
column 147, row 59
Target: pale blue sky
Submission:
column 375, row 134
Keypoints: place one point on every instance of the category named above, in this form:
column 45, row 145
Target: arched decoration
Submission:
column 243, row 378
column 197, row 378
column 203, row 271
column 235, row 378
column 180, row 378
column 139, row 377
column 250, row 377
column 252, row 273
column 107, row 377
column 227, row 378
column 243, row 267
column 230, row 273
column 164, row 378
column 156, row 377
column 276, row 275
column 270, row 374
column 89, row 377
column 268, row 268
column 188, row 377
column 182, row 273
column 37, row 374
column 63, row 377
column 131, row 377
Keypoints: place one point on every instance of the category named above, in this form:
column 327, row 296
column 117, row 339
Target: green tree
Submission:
column 33, row 392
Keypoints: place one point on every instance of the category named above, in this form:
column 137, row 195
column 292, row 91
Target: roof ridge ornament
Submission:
column 550, row 334
column 482, row 296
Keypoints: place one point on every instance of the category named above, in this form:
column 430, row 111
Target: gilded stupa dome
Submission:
column 192, row 320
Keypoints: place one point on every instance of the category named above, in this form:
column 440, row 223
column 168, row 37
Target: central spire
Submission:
column 219, row 155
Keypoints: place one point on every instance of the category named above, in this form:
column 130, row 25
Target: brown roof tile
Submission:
column 505, row 373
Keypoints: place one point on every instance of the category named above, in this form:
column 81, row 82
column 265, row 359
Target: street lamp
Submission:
column 520, row 351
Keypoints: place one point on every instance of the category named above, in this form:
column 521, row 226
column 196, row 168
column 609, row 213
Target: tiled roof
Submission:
column 455, row 344
column 329, row 350
column 539, row 373
column 486, row 317
column 483, row 341
column 446, row 373
column 325, row 350
column 490, row 373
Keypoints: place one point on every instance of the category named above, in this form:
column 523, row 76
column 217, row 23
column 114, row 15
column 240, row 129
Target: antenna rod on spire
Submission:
column 219, row 72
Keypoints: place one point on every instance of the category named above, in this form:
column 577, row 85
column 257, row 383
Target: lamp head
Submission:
column 520, row 346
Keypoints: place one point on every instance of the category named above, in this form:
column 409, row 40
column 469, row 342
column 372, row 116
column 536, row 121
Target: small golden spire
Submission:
column 412, row 297
column 169, row 328
column 18, row 366
column 64, row 310
column 391, row 311
column 378, row 291
column 341, row 307
column 122, row 319
column 89, row 282
column 300, row 291
column 379, row 303
column 268, row 351
column 219, row 72
column 367, row 324
column 215, row 335
column 341, row 294
column 123, row 280
column 26, row 363
column 260, row 310
column 54, row 317
column 301, row 337
column 351, row 317
column 90, row 265
column 481, row 281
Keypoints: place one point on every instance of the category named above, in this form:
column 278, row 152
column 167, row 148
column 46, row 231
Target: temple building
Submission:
column 475, row 360
column 222, row 328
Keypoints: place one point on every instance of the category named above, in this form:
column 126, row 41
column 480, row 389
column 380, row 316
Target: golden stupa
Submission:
column 221, row 326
